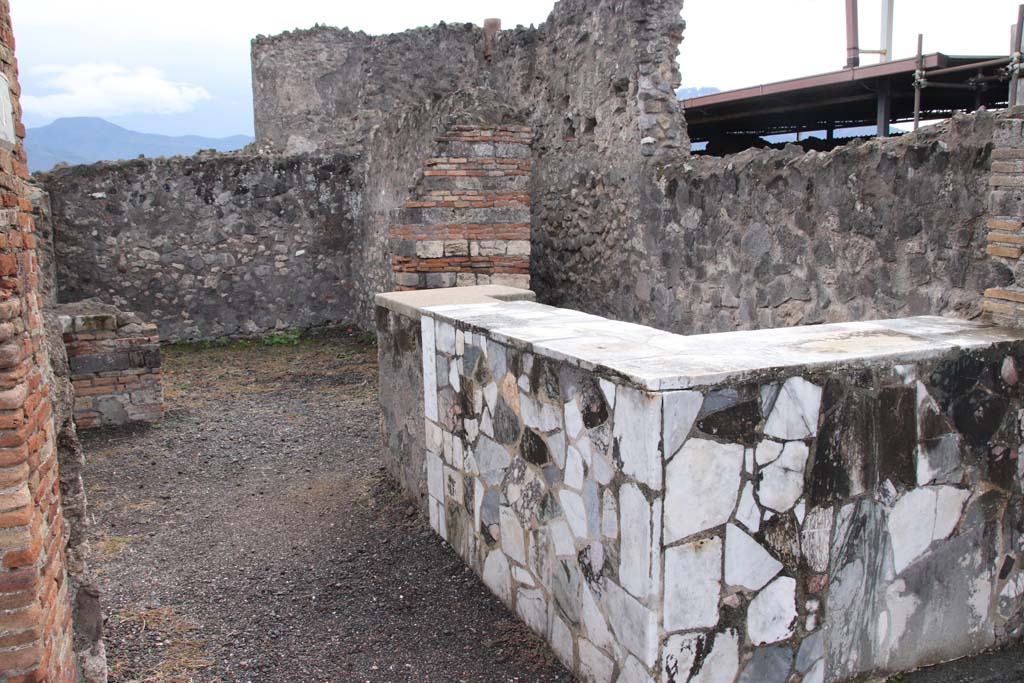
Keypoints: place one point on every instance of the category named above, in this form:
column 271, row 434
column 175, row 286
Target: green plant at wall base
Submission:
column 282, row 338
column 368, row 338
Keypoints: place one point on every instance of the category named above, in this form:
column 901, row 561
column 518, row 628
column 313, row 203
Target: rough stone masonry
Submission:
column 623, row 221
column 761, row 239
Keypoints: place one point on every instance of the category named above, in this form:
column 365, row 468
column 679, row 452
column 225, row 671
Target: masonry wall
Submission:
column 399, row 351
column 754, row 507
column 467, row 221
column 624, row 223
column 42, row 218
column 114, row 364
column 757, row 240
column 213, row 245
column 83, row 591
column 36, row 638
column 329, row 87
column 1004, row 296
column 780, row 238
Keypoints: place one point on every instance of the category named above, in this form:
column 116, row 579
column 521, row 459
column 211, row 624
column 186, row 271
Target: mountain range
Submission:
column 83, row 140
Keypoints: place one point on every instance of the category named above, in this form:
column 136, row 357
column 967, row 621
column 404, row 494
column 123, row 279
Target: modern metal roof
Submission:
column 847, row 98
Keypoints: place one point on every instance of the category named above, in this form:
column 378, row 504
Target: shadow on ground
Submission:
column 252, row 536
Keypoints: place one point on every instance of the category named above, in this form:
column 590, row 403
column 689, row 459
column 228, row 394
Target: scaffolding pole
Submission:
column 1015, row 57
column 918, row 80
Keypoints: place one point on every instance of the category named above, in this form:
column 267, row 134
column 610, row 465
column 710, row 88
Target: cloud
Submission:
column 109, row 90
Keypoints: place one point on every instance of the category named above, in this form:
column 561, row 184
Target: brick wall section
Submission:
column 468, row 219
column 115, row 369
column 1005, row 237
column 35, row 611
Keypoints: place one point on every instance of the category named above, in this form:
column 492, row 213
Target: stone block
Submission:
column 1007, row 134
column 92, row 364
column 458, row 248
column 430, row 249
column 438, row 280
column 1006, row 202
column 492, row 247
column 407, row 279
column 506, row 280
column 95, row 322
column 518, row 248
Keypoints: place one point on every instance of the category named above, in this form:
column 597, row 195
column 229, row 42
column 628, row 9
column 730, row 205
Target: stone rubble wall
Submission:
column 213, row 245
column 400, row 363
column 624, row 223
column 333, row 88
column 114, row 363
column 596, row 83
column 36, row 633
column 399, row 355
column 771, row 238
column 467, row 221
column 818, row 520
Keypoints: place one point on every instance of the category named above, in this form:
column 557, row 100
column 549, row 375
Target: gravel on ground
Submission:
column 252, row 536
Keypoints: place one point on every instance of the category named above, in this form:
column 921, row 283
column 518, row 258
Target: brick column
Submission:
column 114, row 359
column 1005, row 238
column 35, row 612
column 468, row 219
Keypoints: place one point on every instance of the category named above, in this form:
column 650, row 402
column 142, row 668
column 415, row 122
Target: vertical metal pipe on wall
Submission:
column 888, row 7
column 852, row 40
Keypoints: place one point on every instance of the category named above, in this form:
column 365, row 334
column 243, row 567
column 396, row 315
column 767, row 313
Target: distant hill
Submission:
column 83, row 140
column 687, row 93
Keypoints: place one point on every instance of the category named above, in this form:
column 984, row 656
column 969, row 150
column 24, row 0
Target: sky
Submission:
column 183, row 68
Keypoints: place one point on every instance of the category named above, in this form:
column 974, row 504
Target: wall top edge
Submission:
column 655, row 360
column 412, row 303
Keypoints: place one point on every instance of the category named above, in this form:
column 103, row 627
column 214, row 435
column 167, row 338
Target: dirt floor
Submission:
column 252, row 536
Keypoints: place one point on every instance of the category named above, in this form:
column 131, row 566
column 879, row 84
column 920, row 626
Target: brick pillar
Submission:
column 35, row 612
column 1005, row 237
column 468, row 219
